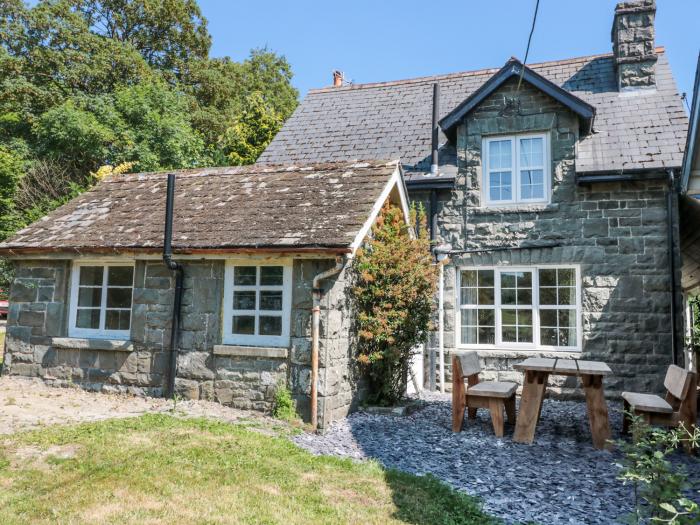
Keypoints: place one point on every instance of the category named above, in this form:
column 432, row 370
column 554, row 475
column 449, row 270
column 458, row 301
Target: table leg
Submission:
column 597, row 410
column 530, row 405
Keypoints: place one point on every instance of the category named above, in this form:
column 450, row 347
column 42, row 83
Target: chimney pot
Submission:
column 337, row 78
column 633, row 45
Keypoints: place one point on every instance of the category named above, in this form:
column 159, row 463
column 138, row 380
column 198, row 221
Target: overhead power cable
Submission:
column 529, row 39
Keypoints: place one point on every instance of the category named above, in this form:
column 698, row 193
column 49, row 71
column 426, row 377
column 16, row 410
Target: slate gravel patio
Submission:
column 560, row 479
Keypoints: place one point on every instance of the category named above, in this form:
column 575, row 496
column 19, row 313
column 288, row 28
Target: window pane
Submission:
column 525, row 296
column 245, row 275
column 120, row 276
column 567, row 318
column 509, row 317
column 270, row 300
column 469, row 317
column 487, row 336
column 468, row 278
column 468, row 295
column 500, row 186
column 244, row 324
column 567, row 295
column 507, row 280
column 270, row 325
column 532, row 184
column 525, row 334
column 487, row 317
column 91, row 275
column 486, row 296
column 89, row 297
column 271, row 275
column 548, row 336
column 566, row 277
column 508, row 296
column 500, row 154
column 548, row 296
column 548, row 277
column 531, row 152
column 548, row 318
column 485, row 277
column 567, row 337
column 244, row 300
column 118, row 297
column 469, row 335
column 509, row 334
column 118, row 319
column 525, row 317
column 88, row 318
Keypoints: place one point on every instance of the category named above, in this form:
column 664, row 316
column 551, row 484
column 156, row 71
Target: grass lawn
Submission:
column 163, row 469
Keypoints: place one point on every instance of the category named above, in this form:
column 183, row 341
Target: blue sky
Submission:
column 379, row 40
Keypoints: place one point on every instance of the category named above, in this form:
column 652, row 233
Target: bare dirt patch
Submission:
column 28, row 403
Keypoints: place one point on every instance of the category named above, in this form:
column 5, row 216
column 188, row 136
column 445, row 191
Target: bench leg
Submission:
column 496, row 407
column 510, row 409
column 458, row 404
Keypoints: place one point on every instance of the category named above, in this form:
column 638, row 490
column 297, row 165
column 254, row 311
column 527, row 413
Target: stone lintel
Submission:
column 250, row 351
column 76, row 343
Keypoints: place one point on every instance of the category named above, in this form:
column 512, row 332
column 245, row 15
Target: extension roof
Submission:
column 325, row 208
column 690, row 174
column 643, row 130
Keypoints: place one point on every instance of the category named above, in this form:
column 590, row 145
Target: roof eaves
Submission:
column 514, row 68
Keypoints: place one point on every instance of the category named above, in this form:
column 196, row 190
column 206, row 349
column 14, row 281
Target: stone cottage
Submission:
column 554, row 198
column 553, row 201
column 92, row 300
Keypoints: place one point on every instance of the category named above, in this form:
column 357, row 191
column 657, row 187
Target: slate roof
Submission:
column 641, row 130
column 251, row 207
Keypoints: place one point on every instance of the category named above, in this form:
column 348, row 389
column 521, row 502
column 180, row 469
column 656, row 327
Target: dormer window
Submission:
column 516, row 170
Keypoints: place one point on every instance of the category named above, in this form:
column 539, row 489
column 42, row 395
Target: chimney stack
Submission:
column 337, row 78
column 633, row 45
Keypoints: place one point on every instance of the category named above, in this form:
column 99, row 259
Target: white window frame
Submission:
column 97, row 333
column 515, row 170
column 535, row 345
column 282, row 340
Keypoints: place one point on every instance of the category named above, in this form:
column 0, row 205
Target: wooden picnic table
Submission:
column 537, row 371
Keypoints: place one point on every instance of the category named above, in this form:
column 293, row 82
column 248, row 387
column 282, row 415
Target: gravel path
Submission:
column 560, row 479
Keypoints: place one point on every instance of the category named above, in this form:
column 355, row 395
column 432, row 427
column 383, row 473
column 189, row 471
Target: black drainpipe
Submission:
column 179, row 277
column 672, row 264
column 434, row 161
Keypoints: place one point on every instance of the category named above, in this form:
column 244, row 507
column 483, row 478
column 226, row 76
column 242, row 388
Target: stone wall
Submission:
column 616, row 232
column 243, row 377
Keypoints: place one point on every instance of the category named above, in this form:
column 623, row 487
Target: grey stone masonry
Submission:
column 616, row 233
column 633, row 44
column 243, row 377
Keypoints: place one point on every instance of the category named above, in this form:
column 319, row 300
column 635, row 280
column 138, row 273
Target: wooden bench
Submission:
column 497, row 396
column 678, row 407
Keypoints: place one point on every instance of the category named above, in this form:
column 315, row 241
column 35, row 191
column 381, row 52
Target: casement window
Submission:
column 526, row 308
column 101, row 296
column 516, row 169
column 257, row 304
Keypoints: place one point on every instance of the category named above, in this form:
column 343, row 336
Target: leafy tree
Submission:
column 393, row 291
column 87, row 83
column 252, row 131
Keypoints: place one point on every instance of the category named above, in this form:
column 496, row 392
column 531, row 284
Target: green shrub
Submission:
column 658, row 484
column 284, row 407
column 393, row 291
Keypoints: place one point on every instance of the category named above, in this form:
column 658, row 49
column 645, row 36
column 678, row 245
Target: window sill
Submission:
column 77, row 343
column 523, row 354
column 250, row 351
column 516, row 208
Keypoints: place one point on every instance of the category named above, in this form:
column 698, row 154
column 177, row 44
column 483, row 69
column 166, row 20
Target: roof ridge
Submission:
column 257, row 169
column 461, row 74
